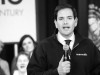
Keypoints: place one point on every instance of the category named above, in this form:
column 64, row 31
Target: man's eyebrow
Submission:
column 60, row 17
column 70, row 16
column 63, row 17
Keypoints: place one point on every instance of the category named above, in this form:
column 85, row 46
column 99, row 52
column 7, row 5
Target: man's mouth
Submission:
column 66, row 27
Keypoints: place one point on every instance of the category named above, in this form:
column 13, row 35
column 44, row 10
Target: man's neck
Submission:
column 67, row 36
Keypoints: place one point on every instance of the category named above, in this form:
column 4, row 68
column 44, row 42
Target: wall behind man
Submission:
column 45, row 21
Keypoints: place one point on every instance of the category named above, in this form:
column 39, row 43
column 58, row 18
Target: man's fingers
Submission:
column 61, row 60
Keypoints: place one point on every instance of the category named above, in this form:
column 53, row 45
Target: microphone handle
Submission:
column 66, row 56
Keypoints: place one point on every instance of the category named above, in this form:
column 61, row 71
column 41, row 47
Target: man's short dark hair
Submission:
column 63, row 6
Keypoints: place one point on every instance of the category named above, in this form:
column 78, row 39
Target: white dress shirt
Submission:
column 62, row 39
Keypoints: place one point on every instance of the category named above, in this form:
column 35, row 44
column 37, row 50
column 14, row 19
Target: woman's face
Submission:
column 93, row 24
column 22, row 63
column 28, row 45
column 1, row 46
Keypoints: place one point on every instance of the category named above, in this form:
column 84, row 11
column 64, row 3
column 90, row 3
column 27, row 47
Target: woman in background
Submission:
column 4, row 66
column 22, row 62
column 26, row 44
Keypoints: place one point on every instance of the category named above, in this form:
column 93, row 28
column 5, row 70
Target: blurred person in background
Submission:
column 4, row 66
column 22, row 61
column 94, row 24
column 26, row 44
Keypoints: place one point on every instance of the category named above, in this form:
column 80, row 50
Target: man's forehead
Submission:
column 65, row 12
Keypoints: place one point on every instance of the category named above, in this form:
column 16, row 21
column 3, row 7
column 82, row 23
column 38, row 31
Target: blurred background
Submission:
column 44, row 10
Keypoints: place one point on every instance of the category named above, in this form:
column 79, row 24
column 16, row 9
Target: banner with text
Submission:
column 17, row 17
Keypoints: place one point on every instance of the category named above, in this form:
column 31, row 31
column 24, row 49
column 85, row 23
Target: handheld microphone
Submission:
column 66, row 56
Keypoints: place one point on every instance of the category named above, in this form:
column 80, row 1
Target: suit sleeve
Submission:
column 96, row 65
column 38, row 63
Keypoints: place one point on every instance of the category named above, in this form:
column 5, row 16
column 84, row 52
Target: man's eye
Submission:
column 60, row 18
column 70, row 18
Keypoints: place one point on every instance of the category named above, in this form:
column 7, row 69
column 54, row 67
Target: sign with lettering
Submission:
column 17, row 17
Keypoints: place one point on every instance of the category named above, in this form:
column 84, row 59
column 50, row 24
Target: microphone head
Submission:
column 65, row 47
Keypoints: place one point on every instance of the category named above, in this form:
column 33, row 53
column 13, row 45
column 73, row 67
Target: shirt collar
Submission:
column 61, row 39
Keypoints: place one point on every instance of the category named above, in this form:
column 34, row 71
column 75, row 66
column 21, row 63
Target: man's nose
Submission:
column 65, row 21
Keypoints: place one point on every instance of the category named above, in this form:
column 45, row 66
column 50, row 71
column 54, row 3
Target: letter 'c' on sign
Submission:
column 12, row 2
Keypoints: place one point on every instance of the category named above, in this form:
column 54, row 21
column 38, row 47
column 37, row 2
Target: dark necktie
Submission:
column 69, row 50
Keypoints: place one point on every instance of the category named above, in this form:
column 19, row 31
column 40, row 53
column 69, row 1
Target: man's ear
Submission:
column 76, row 21
column 55, row 22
